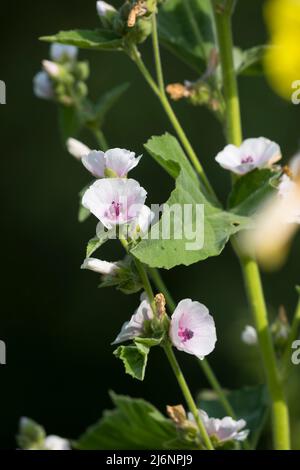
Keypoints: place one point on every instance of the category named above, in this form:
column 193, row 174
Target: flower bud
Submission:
column 62, row 53
column 31, row 435
column 52, row 69
column 249, row 335
column 99, row 266
column 77, row 148
column 106, row 13
column 42, row 86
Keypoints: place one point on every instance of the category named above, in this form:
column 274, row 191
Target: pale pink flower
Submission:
column 193, row 329
column 136, row 325
column 42, row 86
column 115, row 201
column 223, row 430
column 287, row 187
column 252, row 153
column 94, row 162
column 60, row 52
column 99, row 266
column 120, row 161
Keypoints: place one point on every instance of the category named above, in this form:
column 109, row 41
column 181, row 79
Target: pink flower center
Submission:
column 114, row 210
column 185, row 334
column 247, row 159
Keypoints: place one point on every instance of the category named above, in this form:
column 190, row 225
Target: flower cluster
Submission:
column 118, row 201
column 63, row 77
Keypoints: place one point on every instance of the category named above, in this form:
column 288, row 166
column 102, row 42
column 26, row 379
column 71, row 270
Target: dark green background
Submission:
column 56, row 323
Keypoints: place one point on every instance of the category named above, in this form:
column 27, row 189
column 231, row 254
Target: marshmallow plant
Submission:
column 261, row 216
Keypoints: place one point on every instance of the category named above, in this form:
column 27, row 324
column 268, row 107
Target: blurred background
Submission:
column 56, row 323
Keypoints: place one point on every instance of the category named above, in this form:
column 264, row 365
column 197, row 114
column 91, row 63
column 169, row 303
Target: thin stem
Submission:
column 161, row 287
column 160, row 93
column 157, row 59
column 281, row 432
column 100, row 137
column 292, row 337
column 187, row 394
column 216, row 386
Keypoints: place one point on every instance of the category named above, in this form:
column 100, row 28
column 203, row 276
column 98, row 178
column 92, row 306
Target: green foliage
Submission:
column 218, row 224
column 250, row 61
column 134, row 424
column 248, row 403
column 251, row 190
column 126, row 279
column 99, row 39
column 31, row 435
column 94, row 243
column 134, row 358
column 186, row 29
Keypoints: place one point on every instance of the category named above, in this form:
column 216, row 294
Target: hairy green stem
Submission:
column 281, row 433
column 187, row 394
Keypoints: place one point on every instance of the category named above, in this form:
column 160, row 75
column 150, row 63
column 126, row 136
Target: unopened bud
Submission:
column 177, row 91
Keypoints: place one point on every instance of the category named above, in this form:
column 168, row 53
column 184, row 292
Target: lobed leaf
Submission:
column 98, row 39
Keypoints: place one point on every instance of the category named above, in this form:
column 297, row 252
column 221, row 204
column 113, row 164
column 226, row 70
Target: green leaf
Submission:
column 127, row 279
column 134, row 424
column 248, row 403
column 108, row 100
column 94, row 243
column 134, row 358
column 98, row 39
column 251, row 190
column 186, row 29
column 69, row 122
column 250, row 61
column 218, row 224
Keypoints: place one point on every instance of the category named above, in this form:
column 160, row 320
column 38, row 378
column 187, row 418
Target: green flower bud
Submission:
column 31, row 435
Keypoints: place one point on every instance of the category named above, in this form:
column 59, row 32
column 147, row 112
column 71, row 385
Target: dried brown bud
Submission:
column 282, row 316
column 287, row 171
column 177, row 91
column 160, row 303
column 177, row 414
column 138, row 9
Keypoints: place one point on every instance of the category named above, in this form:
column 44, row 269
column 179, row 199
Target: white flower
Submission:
column 99, row 266
column 77, row 148
column 141, row 224
column 286, row 189
column 115, row 201
column 52, row 69
column 103, row 8
column 136, row 325
column 223, row 430
column 249, row 335
column 56, row 443
column 253, row 153
column 60, row 52
column 193, row 329
column 120, row 161
column 42, row 86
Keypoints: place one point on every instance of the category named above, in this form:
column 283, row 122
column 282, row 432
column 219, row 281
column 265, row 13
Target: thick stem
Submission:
column 187, row 394
column 280, row 413
column 249, row 266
